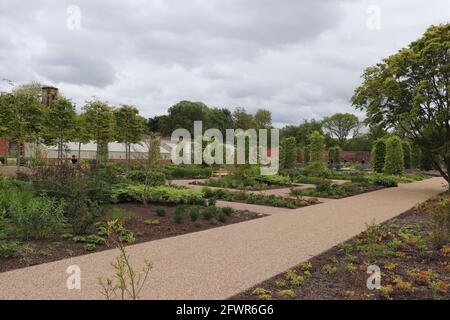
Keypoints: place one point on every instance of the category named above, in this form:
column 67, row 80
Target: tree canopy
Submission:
column 410, row 90
column 340, row 126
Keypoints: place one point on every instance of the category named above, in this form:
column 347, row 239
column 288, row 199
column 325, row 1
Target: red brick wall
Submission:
column 3, row 147
column 353, row 156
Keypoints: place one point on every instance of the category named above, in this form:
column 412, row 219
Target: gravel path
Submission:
column 221, row 262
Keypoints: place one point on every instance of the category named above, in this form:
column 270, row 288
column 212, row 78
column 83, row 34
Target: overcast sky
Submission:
column 300, row 59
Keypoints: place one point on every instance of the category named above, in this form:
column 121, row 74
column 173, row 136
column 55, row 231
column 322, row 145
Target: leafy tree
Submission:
column 378, row 155
column 340, row 125
column 334, row 155
column 263, row 118
column 82, row 134
column 361, row 142
column 99, row 121
column 129, row 127
column 410, row 90
column 394, row 163
column 60, row 123
column 302, row 131
column 21, row 116
column 316, row 164
column 156, row 124
column 183, row 115
column 242, row 119
column 416, row 156
column 406, row 147
column 288, row 153
column 219, row 119
column 306, row 155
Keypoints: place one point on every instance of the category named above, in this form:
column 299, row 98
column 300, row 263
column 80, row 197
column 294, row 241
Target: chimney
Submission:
column 48, row 95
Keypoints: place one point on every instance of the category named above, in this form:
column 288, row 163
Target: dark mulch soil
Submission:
column 350, row 278
column 42, row 251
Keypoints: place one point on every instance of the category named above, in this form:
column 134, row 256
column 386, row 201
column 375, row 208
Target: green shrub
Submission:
column 7, row 249
column 152, row 222
column 406, row 148
column 159, row 194
column 394, row 162
column 316, row 147
column 39, row 218
column 324, row 187
column 194, row 214
column 160, row 212
column 227, row 210
column 334, row 155
column 89, row 246
column 288, row 152
column 209, row 212
column 178, row 215
column 198, row 224
column 385, row 181
column 270, row 200
column 191, row 171
column 440, row 229
column 378, row 155
column 83, row 189
column 222, row 216
column 214, row 222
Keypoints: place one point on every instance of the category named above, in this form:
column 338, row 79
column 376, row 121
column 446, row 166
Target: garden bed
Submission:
column 336, row 191
column 411, row 265
column 259, row 199
column 142, row 221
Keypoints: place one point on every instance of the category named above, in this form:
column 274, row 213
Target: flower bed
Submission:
column 252, row 198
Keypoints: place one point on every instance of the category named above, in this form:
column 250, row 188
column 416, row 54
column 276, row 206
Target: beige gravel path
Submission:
column 218, row 263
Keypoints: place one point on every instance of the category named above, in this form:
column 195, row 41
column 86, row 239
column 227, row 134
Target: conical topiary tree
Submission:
column 394, row 162
column 316, row 166
column 378, row 155
column 406, row 146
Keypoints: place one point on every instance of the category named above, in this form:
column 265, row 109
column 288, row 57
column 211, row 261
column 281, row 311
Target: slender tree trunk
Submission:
column 18, row 158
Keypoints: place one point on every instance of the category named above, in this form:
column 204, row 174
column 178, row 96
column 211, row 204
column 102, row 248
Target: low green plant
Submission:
column 228, row 211
column 178, row 215
column 222, row 216
column 214, row 221
column 160, row 212
column 152, row 222
column 198, row 224
column 194, row 214
column 209, row 212
column 127, row 280
column 329, row 269
column 288, row 293
column 8, row 249
column 39, row 218
column 294, row 278
column 89, row 246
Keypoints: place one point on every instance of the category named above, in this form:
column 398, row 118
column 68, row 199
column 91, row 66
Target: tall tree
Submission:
column 263, row 118
column 60, row 123
column 242, row 119
column 340, row 126
column 129, row 127
column 22, row 116
column 100, row 124
column 410, row 90
column 82, row 134
column 302, row 131
column 394, row 162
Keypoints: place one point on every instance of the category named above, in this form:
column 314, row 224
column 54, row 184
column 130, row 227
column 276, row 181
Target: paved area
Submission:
column 221, row 262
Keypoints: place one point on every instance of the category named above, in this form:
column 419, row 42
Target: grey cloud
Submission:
column 298, row 58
